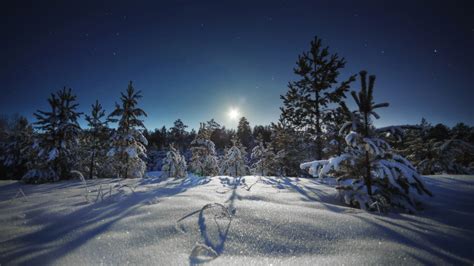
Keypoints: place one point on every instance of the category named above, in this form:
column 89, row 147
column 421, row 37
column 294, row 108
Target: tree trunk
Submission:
column 91, row 167
column 319, row 153
column 368, row 179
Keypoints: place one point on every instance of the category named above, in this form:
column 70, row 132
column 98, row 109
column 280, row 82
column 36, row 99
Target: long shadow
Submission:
column 287, row 183
column 41, row 247
column 425, row 246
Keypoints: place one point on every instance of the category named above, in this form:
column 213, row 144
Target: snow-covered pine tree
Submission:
column 174, row 165
column 128, row 146
column 96, row 140
column 204, row 160
column 233, row 163
column 335, row 119
column 307, row 99
column 263, row 159
column 452, row 156
column 19, row 139
column 432, row 152
column 58, row 139
column 370, row 174
column 415, row 145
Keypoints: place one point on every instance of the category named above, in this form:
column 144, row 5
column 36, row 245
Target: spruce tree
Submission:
column 128, row 143
column 308, row 98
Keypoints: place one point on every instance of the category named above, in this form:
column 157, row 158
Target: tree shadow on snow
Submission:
column 308, row 193
column 433, row 241
column 75, row 229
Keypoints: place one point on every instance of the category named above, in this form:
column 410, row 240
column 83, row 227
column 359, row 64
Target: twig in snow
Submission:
column 250, row 187
column 20, row 193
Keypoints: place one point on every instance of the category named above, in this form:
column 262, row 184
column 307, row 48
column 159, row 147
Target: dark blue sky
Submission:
column 195, row 59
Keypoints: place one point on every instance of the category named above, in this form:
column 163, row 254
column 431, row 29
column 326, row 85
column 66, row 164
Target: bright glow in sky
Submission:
column 234, row 114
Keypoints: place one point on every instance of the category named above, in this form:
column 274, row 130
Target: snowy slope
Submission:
column 265, row 221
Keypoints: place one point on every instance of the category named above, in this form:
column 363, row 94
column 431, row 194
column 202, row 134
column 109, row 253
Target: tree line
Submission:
column 314, row 110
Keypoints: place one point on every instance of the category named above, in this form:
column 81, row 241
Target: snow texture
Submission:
column 227, row 221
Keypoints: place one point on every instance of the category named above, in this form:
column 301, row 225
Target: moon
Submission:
column 233, row 113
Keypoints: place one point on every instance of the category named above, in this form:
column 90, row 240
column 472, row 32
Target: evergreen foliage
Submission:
column 178, row 134
column 233, row 163
column 264, row 160
column 128, row 149
column 370, row 174
column 174, row 165
column 96, row 141
column 16, row 155
column 204, row 160
column 58, row 139
column 244, row 133
column 308, row 99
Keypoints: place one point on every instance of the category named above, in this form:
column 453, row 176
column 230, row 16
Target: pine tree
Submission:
column 244, row 133
column 128, row 143
column 174, row 165
column 58, row 139
column 204, row 161
column 96, row 139
column 452, row 156
column 263, row 132
column 289, row 146
column 433, row 152
column 19, row 140
column 263, row 158
column 335, row 118
column 370, row 174
column 308, row 99
column 233, row 163
column 178, row 134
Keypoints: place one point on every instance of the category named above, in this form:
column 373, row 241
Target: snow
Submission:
column 247, row 220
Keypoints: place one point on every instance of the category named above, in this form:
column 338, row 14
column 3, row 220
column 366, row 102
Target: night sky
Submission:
column 196, row 59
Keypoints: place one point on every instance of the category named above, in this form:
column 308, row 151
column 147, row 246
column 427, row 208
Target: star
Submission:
column 435, row 51
column 382, row 52
column 114, row 53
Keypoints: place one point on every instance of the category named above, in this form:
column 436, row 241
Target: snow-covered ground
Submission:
column 262, row 220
